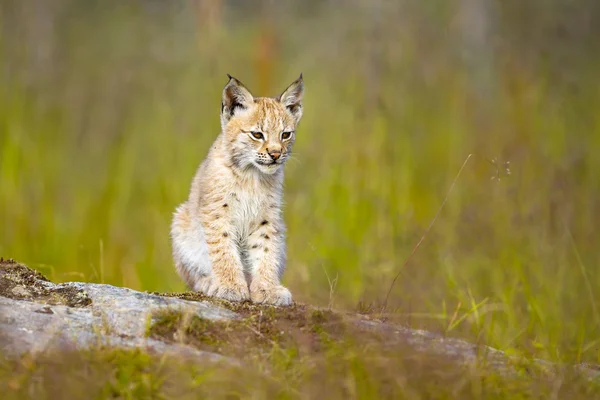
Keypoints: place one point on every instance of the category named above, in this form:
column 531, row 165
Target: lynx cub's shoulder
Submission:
column 228, row 238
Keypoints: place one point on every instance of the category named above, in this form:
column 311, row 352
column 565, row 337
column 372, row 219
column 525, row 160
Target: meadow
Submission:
column 106, row 112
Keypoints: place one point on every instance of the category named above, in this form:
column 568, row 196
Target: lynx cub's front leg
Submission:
column 267, row 260
column 229, row 238
column 228, row 280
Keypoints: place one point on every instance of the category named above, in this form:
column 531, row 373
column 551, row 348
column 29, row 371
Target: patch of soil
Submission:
column 20, row 282
column 298, row 328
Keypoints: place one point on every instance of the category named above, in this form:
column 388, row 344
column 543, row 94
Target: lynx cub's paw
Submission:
column 203, row 284
column 236, row 291
column 276, row 295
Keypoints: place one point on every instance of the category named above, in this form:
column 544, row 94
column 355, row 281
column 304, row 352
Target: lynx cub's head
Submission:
column 260, row 130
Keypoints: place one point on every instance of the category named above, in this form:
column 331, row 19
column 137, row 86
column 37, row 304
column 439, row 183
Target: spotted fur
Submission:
column 228, row 238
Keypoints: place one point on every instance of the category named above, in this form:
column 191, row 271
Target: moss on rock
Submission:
column 20, row 282
column 260, row 327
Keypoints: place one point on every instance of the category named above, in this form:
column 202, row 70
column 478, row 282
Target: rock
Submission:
column 37, row 315
column 465, row 353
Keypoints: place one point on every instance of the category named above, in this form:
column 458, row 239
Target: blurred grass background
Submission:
column 107, row 108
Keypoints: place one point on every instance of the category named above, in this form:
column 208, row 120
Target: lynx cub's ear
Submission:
column 291, row 98
column 235, row 98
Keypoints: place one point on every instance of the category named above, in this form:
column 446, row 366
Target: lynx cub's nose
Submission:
column 275, row 154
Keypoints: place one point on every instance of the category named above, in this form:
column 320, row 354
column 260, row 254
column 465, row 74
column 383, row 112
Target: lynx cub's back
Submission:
column 228, row 238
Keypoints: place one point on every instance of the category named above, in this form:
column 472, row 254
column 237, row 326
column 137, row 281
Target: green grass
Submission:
column 99, row 146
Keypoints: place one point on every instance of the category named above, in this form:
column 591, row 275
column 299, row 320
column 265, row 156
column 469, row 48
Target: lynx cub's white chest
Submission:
column 228, row 238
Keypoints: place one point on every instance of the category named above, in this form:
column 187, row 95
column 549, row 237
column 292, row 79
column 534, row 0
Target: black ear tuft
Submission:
column 235, row 97
column 291, row 98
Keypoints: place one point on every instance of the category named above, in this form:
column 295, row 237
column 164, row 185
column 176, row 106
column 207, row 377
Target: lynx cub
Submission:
column 229, row 237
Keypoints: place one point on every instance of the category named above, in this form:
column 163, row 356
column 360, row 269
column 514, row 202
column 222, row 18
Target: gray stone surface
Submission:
column 35, row 320
column 465, row 353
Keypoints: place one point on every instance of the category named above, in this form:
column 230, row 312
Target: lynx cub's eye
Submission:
column 286, row 135
column 257, row 135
